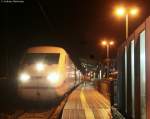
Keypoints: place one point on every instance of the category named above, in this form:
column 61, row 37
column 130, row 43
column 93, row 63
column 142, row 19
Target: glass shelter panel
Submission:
column 126, row 79
column 132, row 78
column 142, row 76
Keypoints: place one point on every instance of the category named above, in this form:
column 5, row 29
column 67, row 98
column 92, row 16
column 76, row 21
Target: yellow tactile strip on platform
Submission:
column 87, row 103
column 88, row 112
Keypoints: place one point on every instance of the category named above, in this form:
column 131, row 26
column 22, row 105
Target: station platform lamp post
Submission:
column 107, row 44
column 126, row 12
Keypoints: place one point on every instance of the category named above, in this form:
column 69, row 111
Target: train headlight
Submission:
column 53, row 78
column 24, row 77
column 40, row 66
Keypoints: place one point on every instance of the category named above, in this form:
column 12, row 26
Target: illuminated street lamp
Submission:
column 107, row 44
column 122, row 11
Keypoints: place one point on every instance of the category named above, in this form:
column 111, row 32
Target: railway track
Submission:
column 54, row 113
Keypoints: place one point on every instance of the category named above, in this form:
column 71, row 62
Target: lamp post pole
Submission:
column 127, row 23
column 107, row 61
column 122, row 11
column 107, row 44
column 107, row 51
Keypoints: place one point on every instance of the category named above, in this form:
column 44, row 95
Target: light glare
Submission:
column 120, row 11
column 24, row 77
column 104, row 43
column 134, row 11
column 40, row 66
column 54, row 78
column 111, row 42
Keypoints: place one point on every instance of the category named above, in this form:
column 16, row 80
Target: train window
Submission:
column 48, row 58
column 142, row 75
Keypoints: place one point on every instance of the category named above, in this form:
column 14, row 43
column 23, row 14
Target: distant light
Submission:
column 24, row 77
column 120, row 11
column 40, row 66
column 111, row 43
column 134, row 11
column 104, row 42
column 54, row 79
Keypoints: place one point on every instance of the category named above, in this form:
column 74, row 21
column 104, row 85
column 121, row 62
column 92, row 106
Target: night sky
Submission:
column 76, row 25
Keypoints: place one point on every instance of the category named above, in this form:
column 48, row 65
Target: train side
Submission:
column 45, row 74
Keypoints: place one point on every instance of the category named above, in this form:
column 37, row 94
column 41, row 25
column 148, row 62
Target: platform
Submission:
column 87, row 103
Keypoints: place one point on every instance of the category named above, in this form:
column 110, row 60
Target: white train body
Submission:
column 46, row 73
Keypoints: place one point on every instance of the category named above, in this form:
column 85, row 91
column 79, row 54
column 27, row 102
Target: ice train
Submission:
column 45, row 73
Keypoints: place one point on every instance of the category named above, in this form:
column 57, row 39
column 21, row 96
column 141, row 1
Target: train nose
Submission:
column 40, row 66
column 55, row 79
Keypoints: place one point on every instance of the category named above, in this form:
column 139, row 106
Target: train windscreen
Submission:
column 48, row 58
